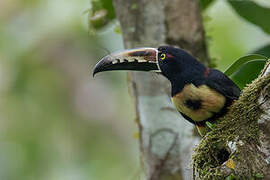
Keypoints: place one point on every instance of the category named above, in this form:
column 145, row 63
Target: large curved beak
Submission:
column 141, row 59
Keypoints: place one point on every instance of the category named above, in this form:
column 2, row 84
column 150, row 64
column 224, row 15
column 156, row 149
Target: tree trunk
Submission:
column 166, row 139
column 239, row 147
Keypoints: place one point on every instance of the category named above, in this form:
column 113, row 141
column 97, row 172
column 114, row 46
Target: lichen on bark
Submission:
column 233, row 147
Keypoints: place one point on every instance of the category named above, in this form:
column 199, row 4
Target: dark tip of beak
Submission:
column 102, row 64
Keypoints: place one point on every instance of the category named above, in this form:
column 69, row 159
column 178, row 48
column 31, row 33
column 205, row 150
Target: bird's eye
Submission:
column 163, row 56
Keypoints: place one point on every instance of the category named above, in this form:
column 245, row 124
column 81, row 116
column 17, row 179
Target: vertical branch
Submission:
column 166, row 139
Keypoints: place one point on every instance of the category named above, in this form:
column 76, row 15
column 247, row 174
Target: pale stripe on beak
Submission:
column 141, row 59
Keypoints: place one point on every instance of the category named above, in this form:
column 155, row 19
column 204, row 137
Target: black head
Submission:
column 175, row 61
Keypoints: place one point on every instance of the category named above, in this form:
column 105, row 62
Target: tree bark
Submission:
column 239, row 146
column 166, row 139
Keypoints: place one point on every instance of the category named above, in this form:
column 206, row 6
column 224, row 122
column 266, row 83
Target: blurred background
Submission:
column 56, row 121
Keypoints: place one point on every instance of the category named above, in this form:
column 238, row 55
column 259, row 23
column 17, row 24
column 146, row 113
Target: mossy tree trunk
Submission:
column 166, row 139
column 239, row 146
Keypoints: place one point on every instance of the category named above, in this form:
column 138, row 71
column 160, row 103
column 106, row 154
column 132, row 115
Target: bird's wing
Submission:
column 223, row 84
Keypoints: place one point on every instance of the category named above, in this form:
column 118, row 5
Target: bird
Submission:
column 199, row 93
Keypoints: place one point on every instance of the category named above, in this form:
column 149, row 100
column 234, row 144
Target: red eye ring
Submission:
column 170, row 56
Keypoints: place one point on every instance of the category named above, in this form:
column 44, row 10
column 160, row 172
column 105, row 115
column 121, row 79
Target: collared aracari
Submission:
column 199, row 93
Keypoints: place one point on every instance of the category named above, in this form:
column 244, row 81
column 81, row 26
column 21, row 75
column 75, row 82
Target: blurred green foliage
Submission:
column 253, row 13
column 101, row 13
column 48, row 98
column 230, row 37
column 265, row 51
column 56, row 121
column 205, row 3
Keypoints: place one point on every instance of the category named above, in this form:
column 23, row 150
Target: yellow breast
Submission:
column 198, row 103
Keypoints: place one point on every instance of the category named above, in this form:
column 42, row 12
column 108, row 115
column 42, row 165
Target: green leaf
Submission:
column 265, row 51
column 117, row 29
column 210, row 125
column 101, row 13
column 239, row 62
column 259, row 175
column 248, row 72
column 104, row 4
column 205, row 3
column 134, row 6
column 244, row 70
column 253, row 13
column 231, row 177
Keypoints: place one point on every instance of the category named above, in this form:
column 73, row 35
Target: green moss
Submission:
column 259, row 175
column 231, row 177
column 239, row 123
